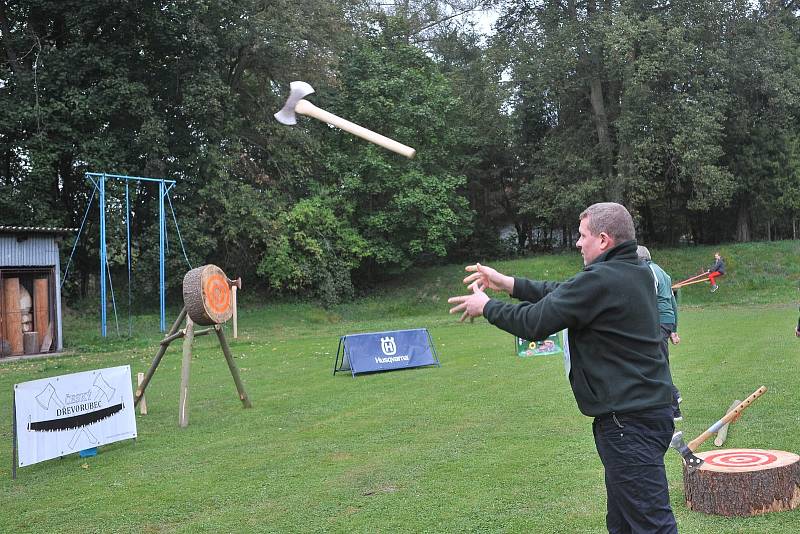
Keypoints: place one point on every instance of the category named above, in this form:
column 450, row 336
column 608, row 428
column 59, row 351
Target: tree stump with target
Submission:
column 206, row 302
column 743, row 482
column 207, row 295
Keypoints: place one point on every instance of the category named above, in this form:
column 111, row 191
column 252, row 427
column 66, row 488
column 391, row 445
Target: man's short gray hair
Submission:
column 611, row 218
column 643, row 253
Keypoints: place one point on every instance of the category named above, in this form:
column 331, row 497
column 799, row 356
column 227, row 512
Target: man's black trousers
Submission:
column 632, row 447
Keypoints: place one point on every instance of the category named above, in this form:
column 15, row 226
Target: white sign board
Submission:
column 69, row 413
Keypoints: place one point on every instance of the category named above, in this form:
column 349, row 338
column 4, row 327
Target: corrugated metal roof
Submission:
column 18, row 250
column 36, row 230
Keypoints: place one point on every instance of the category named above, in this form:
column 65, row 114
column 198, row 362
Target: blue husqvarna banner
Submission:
column 385, row 351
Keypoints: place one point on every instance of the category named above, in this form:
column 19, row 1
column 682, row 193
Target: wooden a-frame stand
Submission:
column 188, row 334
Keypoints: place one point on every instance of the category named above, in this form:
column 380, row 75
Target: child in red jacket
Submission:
column 718, row 269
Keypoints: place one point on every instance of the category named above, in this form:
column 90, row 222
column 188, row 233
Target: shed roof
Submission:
column 36, row 230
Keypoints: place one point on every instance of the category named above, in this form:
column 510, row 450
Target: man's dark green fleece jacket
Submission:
column 610, row 309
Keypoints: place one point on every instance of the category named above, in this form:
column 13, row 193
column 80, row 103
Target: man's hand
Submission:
column 471, row 305
column 488, row 277
column 674, row 338
column 797, row 332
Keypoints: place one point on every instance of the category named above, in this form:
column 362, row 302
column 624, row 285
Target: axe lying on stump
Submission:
column 687, row 451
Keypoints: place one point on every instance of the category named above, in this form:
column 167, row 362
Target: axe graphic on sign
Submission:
column 103, row 389
column 89, row 436
column 48, row 395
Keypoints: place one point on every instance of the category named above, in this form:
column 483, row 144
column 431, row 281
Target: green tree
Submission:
column 407, row 211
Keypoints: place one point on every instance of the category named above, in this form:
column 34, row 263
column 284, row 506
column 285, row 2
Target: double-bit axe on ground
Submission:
column 687, row 450
column 296, row 103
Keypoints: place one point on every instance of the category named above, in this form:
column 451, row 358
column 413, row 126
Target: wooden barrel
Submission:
column 743, row 482
column 207, row 295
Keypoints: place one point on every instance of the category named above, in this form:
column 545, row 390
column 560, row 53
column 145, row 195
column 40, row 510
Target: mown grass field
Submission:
column 488, row 442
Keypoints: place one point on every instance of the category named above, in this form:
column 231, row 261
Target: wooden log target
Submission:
column 207, row 295
column 743, row 482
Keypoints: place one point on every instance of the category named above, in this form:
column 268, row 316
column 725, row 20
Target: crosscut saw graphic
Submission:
column 76, row 421
column 49, row 396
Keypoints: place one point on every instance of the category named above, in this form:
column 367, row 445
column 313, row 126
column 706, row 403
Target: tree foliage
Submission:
column 686, row 111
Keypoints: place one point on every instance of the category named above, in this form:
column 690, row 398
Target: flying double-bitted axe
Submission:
column 296, row 103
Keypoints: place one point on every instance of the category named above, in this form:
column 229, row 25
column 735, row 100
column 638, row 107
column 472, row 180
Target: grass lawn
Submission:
column 488, row 442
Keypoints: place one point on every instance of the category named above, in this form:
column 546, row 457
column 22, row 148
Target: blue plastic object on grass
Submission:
column 85, row 453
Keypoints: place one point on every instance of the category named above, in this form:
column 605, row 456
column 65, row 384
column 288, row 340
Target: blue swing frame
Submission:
column 164, row 186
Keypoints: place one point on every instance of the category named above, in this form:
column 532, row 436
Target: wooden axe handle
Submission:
column 304, row 107
column 722, row 434
column 695, row 443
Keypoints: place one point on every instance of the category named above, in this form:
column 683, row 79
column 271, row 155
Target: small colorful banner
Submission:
column 546, row 347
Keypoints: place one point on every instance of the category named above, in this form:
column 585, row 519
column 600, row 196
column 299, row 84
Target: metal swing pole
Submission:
column 128, row 239
column 103, row 255
column 162, row 223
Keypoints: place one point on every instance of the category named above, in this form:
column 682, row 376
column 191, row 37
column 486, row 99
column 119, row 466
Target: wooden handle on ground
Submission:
column 723, row 432
column 695, row 443
column 304, row 107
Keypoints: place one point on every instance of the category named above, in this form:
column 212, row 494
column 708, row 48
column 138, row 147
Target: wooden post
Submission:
column 143, row 402
column 160, row 354
column 41, row 307
column 183, row 414
column 234, row 290
column 232, row 366
column 13, row 316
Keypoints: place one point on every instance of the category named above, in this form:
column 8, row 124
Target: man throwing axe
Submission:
column 612, row 357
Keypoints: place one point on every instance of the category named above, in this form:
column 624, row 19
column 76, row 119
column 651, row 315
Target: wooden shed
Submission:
column 30, row 290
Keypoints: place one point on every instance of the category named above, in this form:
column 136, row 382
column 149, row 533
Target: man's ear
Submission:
column 605, row 241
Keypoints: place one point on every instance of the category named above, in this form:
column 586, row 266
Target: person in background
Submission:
column 797, row 330
column 612, row 358
column 718, row 269
column 667, row 317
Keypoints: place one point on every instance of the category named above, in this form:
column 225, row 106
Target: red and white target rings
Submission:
column 207, row 295
column 741, row 459
column 745, row 459
column 217, row 293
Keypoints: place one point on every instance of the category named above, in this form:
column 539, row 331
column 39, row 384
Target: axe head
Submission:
column 297, row 91
column 46, row 395
column 691, row 461
column 103, row 388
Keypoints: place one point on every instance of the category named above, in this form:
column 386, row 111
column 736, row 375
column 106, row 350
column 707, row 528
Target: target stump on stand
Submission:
column 207, row 301
column 743, row 482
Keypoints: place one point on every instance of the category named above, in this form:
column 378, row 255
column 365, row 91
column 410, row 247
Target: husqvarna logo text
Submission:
column 388, row 346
